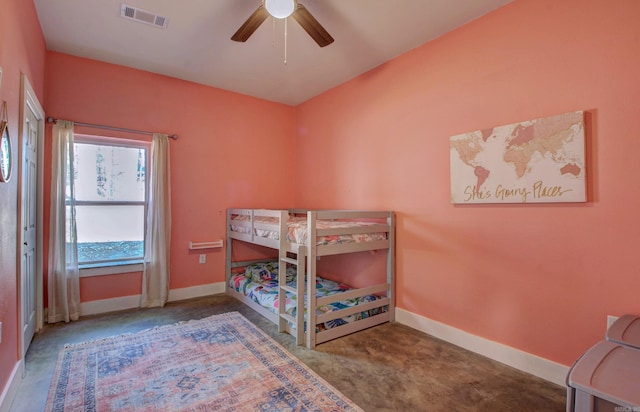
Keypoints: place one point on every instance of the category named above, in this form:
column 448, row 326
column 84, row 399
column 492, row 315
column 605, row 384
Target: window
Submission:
column 111, row 200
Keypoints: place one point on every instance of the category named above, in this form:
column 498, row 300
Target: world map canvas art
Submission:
column 536, row 161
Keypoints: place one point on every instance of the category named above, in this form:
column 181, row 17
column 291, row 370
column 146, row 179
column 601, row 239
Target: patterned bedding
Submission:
column 260, row 283
column 298, row 231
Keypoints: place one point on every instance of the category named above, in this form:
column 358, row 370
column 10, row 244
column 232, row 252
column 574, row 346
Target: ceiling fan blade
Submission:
column 311, row 26
column 251, row 24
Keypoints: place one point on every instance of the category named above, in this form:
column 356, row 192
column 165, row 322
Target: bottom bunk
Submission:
column 341, row 309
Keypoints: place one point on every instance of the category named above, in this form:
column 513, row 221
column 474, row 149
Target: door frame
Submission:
column 29, row 101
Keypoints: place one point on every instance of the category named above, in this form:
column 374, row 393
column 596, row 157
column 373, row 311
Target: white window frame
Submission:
column 124, row 266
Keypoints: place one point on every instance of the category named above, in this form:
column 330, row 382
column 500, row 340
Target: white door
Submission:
column 29, row 220
column 30, row 216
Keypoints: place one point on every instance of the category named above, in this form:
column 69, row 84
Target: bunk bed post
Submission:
column 300, row 277
column 391, row 266
column 311, row 279
column 228, row 253
column 282, row 272
column 252, row 222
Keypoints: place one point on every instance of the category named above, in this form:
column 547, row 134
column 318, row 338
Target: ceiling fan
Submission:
column 281, row 9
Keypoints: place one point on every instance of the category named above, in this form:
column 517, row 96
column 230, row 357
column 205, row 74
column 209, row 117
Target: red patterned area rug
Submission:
column 220, row 363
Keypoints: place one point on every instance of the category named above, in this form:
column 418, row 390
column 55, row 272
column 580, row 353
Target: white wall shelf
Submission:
column 206, row 245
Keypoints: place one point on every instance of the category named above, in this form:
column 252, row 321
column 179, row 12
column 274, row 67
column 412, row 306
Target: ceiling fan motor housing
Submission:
column 280, row 9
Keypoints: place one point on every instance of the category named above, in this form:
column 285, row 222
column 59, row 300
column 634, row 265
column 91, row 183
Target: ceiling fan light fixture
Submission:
column 280, row 9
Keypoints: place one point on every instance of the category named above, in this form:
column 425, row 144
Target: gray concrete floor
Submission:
column 390, row 367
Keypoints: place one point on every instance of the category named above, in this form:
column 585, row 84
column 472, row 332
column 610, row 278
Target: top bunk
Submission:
column 334, row 231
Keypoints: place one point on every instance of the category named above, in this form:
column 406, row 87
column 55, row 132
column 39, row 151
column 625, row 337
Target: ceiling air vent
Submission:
column 143, row 16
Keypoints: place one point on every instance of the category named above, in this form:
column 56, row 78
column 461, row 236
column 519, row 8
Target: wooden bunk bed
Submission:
column 301, row 237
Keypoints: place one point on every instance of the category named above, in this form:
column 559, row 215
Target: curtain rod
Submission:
column 118, row 129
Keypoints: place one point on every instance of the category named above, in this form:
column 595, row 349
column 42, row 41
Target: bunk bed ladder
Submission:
column 284, row 259
column 284, row 318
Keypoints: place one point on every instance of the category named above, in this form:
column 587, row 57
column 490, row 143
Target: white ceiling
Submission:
column 196, row 44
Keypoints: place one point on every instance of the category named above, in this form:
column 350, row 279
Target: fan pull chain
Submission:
column 285, row 41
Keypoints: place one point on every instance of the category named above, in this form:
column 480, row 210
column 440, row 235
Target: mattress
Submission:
column 298, row 231
column 259, row 282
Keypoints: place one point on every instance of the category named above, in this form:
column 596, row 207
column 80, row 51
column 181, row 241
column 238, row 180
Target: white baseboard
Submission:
column 196, row 291
column 535, row 365
column 95, row 307
column 11, row 388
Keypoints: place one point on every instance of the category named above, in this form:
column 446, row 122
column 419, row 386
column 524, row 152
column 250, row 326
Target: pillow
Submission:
column 262, row 271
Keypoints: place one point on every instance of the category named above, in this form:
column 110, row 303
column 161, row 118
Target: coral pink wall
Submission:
column 540, row 278
column 22, row 50
column 110, row 286
column 215, row 163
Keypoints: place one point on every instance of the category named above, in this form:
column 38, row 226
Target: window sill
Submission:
column 111, row 269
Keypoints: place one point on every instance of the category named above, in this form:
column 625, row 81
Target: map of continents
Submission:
column 535, row 161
